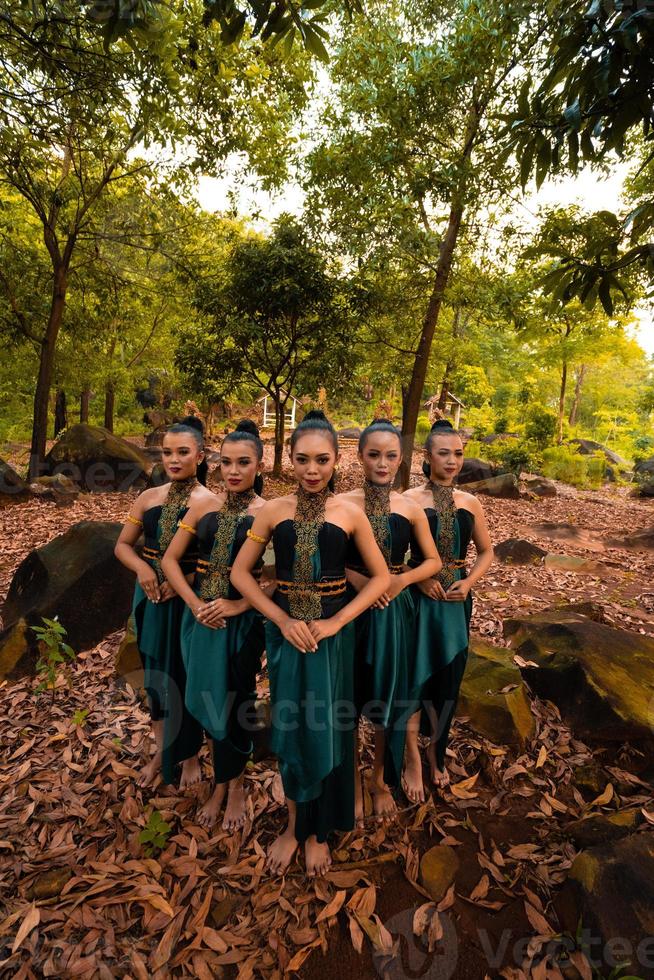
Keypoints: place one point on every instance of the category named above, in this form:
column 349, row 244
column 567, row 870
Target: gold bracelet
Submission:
column 186, row 527
column 133, row 520
column 256, row 537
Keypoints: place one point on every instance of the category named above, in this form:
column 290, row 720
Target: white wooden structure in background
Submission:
column 269, row 411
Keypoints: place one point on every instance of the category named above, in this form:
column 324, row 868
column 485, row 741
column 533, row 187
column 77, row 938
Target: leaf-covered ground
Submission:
column 79, row 897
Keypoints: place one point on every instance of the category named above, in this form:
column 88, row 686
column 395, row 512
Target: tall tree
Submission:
column 406, row 156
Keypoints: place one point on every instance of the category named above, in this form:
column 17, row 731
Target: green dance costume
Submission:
column 312, row 693
column 384, row 637
column 158, row 626
column 442, row 628
column 222, row 664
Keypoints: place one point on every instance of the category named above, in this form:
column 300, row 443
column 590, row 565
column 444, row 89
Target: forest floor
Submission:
column 79, row 896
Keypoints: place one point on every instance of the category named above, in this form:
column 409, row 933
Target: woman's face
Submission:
column 381, row 457
column 314, row 459
column 181, row 455
column 445, row 457
column 239, row 465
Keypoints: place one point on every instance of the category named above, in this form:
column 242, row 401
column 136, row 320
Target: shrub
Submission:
column 561, row 463
column 423, row 427
column 541, row 424
column 518, row 456
column 596, row 465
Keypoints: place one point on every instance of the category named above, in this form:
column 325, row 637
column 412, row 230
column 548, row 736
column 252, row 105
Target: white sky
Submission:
column 588, row 189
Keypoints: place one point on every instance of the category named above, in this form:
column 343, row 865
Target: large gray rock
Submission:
column 12, row 486
column 588, row 447
column 518, row 551
column 505, row 485
column 494, row 696
column 600, row 678
column 609, row 897
column 97, row 459
column 474, row 470
column 74, row 577
column 541, row 487
column 645, row 467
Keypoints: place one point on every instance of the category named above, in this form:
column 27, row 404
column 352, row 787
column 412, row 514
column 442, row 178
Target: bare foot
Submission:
column 359, row 809
column 208, row 814
column 191, row 772
column 236, row 809
column 383, row 802
column 150, row 773
column 317, row 857
column 412, row 779
column 440, row 777
column 280, row 853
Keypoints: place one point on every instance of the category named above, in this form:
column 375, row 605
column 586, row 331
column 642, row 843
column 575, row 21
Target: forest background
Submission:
column 419, row 257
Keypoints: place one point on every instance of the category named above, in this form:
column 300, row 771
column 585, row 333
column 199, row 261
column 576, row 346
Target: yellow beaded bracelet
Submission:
column 186, row 527
column 133, row 520
column 256, row 537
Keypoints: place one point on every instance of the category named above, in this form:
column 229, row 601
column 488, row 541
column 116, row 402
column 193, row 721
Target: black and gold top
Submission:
column 152, row 545
column 400, row 535
column 207, row 533
column 465, row 521
column 328, row 587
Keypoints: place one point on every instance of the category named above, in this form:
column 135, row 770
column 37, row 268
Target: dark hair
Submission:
column 191, row 425
column 247, row 431
column 440, row 427
column 379, row 425
column 316, row 421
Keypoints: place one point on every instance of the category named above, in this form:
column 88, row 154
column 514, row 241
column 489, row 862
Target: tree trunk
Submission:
column 421, row 362
column 564, row 382
column 280, row 410
column 84, row 400
column 44, row 377
column 109, row 402
column 61, row 415
column 574, row 410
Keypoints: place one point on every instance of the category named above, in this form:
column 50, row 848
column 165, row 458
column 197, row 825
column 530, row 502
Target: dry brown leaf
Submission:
column 538, row 921
column 481, row 888
column 30, row 921
column 605, row 797
column 334, row 906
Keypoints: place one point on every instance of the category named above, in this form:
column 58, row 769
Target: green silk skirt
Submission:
column 221, row 672
column 158, row 627
column 313, row 727
column 384, row 647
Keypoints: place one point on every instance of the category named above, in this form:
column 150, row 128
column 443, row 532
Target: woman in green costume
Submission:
column 157, row 610
column 310, row 641
column 222, row 635
column 385, row 632
column 444, row 603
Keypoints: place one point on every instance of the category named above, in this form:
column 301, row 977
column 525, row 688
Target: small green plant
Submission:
column 54, row 652
column 79, row 717
column 423, row 428
column 518, row 456
column 155, row 834
column 541, row 424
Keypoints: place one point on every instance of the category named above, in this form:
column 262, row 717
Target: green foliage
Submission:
column 563, row 463
column 423, row 428
column 541, row 424
column 585, row 105
column 54, row 652
column 472, row 385
column 518, row 456
column 80, row 716
column 155, row 834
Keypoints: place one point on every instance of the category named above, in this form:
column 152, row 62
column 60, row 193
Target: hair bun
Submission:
column 247, row 425
column 383, row 422
column 193, row 422
column 316, row 413
column 442, row 424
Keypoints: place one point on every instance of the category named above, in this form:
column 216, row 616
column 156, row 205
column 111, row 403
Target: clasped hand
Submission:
column 305, row 637
column 215, row 612
column 149, row 582
column 457, row 591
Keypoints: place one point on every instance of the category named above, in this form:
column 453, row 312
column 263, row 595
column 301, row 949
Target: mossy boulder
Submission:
column 58, row 488
column 97, row 460
column 600, row 678
column 474, row 470
column 603, row 828
column 494, row 697
column 608, row 901
column 75, row 577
